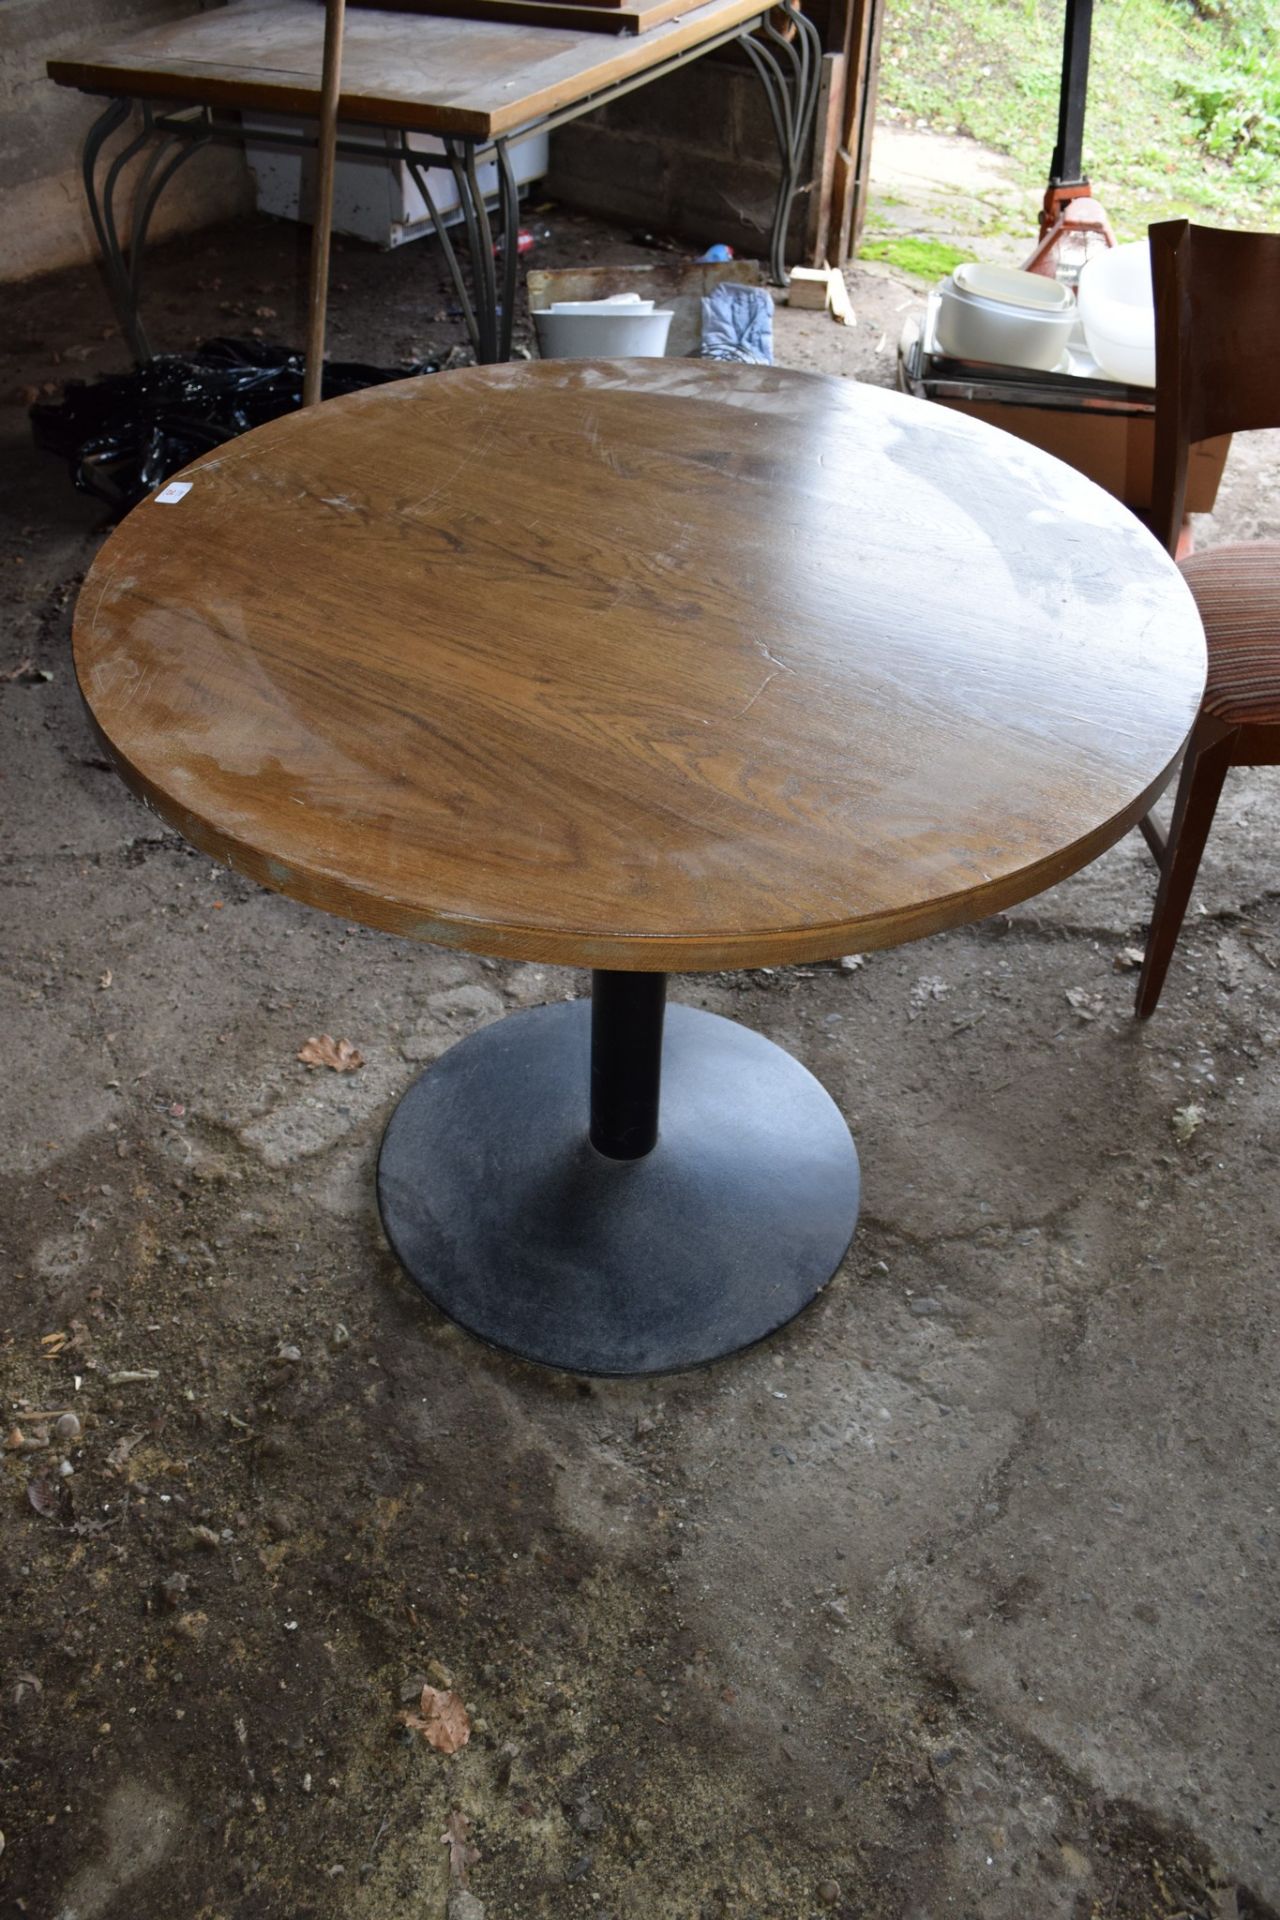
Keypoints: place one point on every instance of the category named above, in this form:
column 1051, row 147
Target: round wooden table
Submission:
column 641, row 666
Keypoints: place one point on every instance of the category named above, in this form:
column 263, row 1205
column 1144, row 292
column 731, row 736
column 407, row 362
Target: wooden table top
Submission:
column 414, row 71
column 655, row 664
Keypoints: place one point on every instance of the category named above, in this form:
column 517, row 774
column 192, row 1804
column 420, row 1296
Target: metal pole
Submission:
column 626, row 1061
column 322, row 213
column 1065, row 169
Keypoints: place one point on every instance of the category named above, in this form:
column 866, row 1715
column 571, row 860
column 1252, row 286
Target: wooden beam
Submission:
column 852, row 169
column 826, row 140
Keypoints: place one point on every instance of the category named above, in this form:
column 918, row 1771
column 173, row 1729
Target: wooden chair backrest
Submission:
column 1217, row 295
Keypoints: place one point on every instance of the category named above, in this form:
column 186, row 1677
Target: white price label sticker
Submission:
column 174, row 491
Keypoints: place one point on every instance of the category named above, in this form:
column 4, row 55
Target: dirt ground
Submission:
column 957, row 1599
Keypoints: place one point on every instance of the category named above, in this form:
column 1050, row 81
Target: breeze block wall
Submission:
column 44, row 222
column 693, row 155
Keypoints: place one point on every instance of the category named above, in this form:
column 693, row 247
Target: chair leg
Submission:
column 1204, row 768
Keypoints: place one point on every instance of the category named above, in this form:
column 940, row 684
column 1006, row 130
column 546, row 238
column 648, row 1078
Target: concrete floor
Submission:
column 957, row 1599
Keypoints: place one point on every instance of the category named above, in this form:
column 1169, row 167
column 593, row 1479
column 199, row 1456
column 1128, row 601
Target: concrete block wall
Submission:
column 693, row 155
column 43, row 219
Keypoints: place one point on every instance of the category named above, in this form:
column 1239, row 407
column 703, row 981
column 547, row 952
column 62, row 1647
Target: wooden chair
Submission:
column 1217, row 299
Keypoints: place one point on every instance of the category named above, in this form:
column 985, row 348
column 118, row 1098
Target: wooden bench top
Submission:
column 421, row 72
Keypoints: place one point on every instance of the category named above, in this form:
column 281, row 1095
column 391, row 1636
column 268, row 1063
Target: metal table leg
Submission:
column 790, row 66
column 102, row 212
column 487, row 306
column 536, row 1188
column 171, row 151
column 171, row 154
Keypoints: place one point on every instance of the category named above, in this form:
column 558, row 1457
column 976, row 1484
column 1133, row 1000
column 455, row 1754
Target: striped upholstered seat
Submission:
column 1237, row 590
column 1217, row 293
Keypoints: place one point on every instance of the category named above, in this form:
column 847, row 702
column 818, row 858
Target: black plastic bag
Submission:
column 125, row 434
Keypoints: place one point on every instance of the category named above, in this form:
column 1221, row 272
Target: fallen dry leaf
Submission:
column 462, row 1855
column 47, row 1494
column 1186, row 1123
column 442, row 1722
column 104, row 979
column 322, row 1050
column 1128, row 960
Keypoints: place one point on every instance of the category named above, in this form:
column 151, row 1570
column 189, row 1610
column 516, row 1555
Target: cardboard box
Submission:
column 1103, row 429
column 1114, row 449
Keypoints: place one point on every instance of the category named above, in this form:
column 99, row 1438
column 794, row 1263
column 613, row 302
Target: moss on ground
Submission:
column 927, row 260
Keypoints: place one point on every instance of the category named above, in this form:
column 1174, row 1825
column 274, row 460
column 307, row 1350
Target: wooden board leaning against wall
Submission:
column 851, row 32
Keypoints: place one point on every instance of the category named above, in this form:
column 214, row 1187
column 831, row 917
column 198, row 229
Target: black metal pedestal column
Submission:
column 627, row 1012
column 536, row 1187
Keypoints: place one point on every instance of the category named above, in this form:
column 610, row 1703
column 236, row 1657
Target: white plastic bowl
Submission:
column 1004, row 316
column 608, row 331
column 1117, row 307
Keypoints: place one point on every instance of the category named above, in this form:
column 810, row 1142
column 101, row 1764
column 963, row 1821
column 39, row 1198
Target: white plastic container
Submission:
column 1117, row 307
column 374, row 197
column 1003, row 316
column 622, row 328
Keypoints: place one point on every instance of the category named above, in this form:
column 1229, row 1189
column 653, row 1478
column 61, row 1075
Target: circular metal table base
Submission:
column 507, row 1217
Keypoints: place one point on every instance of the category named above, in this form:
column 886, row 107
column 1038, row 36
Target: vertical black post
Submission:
column 626, row 1061
column 1065, row 168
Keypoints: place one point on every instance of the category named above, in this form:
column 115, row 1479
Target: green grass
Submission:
column 928, row 260
column 1183, row 113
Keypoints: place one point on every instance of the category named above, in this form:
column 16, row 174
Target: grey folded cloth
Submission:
column 737, row 324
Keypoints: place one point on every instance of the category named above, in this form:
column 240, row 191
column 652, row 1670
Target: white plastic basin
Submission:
column 1117, row 308
column 606, row 331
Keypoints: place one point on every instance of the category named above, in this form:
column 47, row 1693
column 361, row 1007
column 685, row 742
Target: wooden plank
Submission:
column 826, row 140
column 425, row 74
column 571, row 7
column 625, row 17
column 840, row 220
column 852, row 167
column 866, row 124
column 809, row 287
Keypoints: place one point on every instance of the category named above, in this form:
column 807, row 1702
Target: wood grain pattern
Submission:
column 1217, row 293
column 649, row 664
column 418, row 72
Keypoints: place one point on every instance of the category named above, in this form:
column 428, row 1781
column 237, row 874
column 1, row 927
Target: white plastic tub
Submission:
column 622, row 328
column 375, row 197
column 1117, row 308
column 1004, row 316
